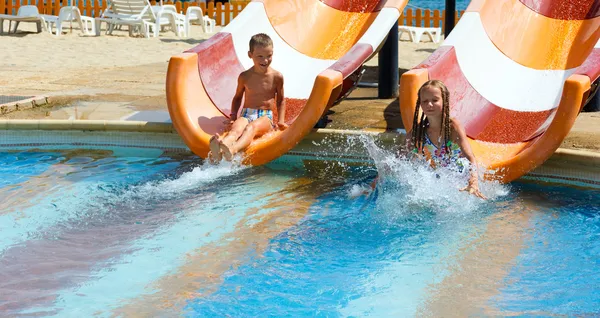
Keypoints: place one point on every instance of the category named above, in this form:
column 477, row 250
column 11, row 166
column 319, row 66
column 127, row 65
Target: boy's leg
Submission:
column 215, row 155
column 237, row 128
column 257, row 128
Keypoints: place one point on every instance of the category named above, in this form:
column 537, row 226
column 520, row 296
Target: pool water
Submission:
column 92, row 233
column 436, row 4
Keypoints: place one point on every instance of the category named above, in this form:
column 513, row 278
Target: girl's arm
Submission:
column 374, row 183
column 409, row 147
column 408, row 144
column 460, row 137
column 401, row 149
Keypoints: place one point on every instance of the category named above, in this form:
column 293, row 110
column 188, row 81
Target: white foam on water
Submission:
column 359, row 189
column 76, row 200
column 411, row 185
column 189, row 180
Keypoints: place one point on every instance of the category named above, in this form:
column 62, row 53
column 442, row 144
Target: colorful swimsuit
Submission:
column 253, row 114
column 439, row 157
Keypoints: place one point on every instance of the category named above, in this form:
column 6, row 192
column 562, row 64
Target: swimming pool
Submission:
column 121, row 231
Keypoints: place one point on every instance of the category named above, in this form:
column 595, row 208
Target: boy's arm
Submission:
column 236, row 102
column 280, row 103
column 463, row 142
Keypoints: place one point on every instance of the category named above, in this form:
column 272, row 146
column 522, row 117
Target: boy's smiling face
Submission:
column 262, row 56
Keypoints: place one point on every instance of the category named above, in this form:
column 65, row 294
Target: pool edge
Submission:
column 566, row 166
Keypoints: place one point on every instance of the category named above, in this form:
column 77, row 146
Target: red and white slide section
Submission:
column 518, row 72
column 317, row 44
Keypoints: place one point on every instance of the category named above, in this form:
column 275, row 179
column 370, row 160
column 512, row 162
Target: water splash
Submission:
column 407, row 185
column 188, row 180
column 96, row 201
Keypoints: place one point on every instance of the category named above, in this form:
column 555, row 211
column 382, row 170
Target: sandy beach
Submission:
column 110, row 76
column 40, row 63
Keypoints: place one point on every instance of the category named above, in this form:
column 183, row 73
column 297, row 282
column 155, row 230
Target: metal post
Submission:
column 388, row 65
column 450, row 13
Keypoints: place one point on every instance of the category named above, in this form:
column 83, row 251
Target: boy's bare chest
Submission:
column 261, row 83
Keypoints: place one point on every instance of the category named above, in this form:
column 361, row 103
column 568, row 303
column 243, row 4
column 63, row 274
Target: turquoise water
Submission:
column 436, row 4
column 86, row 233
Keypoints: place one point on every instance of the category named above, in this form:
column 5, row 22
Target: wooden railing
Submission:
column 427, row 18
column 223, row 13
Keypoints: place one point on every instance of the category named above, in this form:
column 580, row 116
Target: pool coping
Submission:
column 87, row 125
column 581, row 156
column 145, row 126
column 26, row 103
column 571, row 166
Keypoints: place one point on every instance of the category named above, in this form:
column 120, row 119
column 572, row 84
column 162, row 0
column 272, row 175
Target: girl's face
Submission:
column 432, row 103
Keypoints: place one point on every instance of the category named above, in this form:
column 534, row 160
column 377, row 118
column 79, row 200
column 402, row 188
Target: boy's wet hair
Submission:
column 420, row 125
column 261, row 40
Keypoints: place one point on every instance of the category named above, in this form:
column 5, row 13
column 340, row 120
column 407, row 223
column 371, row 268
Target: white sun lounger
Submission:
column 415, row 33
column 136, row 14
column 26, row 13
column 139, row 16
column 166, row 15
column 70, row 14
column 194, row 15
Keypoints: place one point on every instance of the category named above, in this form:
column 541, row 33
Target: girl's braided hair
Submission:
column 420, row 125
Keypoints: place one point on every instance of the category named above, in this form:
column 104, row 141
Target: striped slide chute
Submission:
column 317, row 44
column 519, row 72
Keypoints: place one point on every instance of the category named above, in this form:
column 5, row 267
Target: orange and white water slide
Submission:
column 519, row 72
column 317, row 45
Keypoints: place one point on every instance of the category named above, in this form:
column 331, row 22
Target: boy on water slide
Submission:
column 261, row 86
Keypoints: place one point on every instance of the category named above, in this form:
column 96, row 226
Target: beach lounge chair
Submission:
column 415, row 33
column 134, row 14
column 196, row 16
column 26, row 13
column 166, row 15
column 138, row 15
column 70, row 14
column 193, row 14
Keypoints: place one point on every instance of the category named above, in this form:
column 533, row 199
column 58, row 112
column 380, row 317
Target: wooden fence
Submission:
column 222, row 12
column 427, row 18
